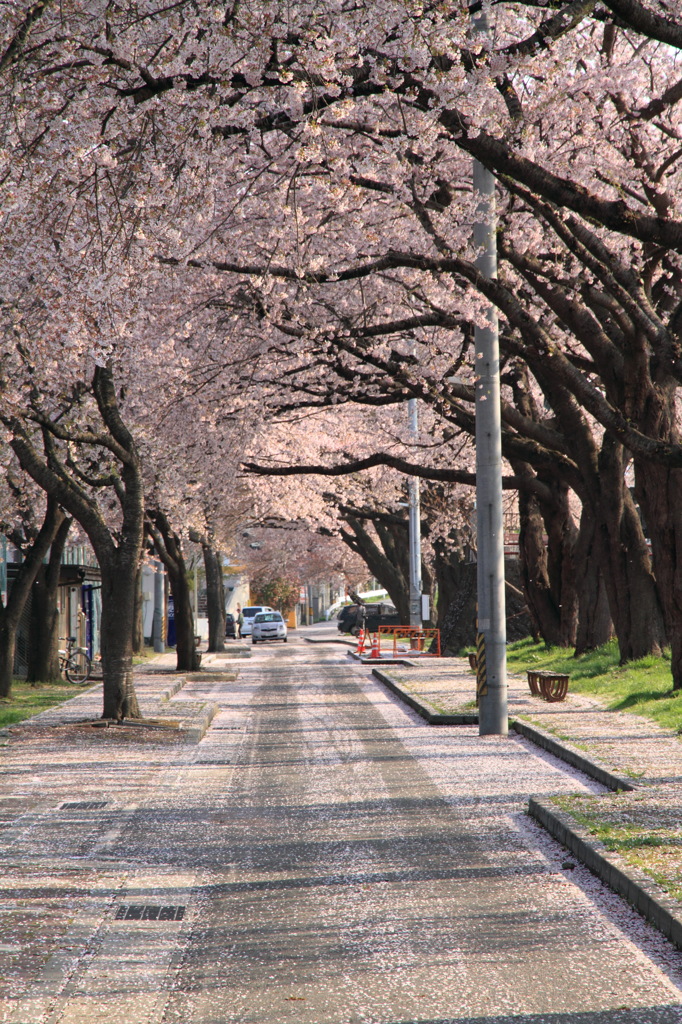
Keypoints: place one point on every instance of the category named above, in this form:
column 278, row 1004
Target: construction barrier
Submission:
column 410, row 641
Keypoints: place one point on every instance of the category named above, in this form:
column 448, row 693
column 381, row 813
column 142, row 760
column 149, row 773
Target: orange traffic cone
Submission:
column 361, row 642
column 375, row 647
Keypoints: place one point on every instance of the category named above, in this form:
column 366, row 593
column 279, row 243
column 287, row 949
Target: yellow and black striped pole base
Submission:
column 481, row 674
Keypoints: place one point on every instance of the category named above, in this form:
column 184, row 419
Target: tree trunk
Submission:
column 542, row 593
column 547, row 539
column 8, row 643
column 10, row 614
column 548, row 533
column 187, row 657
column 456, row 599
column 43, row 656
column 118, row 555
column 395, row 543
column 383, row 568
column 215, row 598
column 633, row 594
column 618, row 543
column 457, row 583
column 595, row 626
column 562, row 537
column 659, row 493
column 168, row 547
column 119, row 580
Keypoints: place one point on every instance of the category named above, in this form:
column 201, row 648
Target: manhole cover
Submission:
column 146, row 912
column 83, row 805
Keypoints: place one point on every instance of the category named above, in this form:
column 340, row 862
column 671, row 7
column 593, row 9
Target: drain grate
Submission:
column 84, row 805
column 146, row 912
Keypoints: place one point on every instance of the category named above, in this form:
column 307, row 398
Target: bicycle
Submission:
column 74, row 663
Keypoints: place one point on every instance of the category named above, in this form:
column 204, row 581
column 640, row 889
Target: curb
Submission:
column 191, row 729
column 196, row 728
column 571, row 755
column 368, row 660
column 382, row 661
column 172, row 690
column 432, row 717
column 226, row 656
column 641, row 892
column 565, row 752
column 327, row 640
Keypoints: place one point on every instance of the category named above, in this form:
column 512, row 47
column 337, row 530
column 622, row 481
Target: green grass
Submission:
column 30, row 699
column 644, row 837
column 643, row 687
column 655, row 851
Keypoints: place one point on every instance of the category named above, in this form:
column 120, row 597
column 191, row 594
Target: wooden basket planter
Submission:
column 552, row 686
column 534, row 683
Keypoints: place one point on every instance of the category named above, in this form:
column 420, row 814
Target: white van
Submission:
column 249, row 614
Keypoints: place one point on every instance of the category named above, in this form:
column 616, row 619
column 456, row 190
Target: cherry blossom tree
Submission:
column 43, row 664
column 33, row 534
column 215, row 591
column 169, row 548
column 111, row 462
column 281, row 559
column 347, row 134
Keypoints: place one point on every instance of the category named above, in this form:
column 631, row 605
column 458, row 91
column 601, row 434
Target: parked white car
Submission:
column 269, row 626
column 250, row 613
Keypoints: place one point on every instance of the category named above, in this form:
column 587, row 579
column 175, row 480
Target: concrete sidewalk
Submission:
column 632, row 756
column 321, row 856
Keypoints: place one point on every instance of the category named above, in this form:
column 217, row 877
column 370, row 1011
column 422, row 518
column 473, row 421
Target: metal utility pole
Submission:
column 415, row 528
column 3, row 571
column 157, row 621
column 196, row 596
column 492, row 631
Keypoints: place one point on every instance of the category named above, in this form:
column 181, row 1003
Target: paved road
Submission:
column 338, row 862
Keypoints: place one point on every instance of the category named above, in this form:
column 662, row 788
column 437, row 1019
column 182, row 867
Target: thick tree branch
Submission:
column 647, row 22
column 65, row 492
column 456, row 476
column 23, row 31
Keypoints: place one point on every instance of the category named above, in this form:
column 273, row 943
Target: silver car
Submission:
column 269, row 626
column 249, row 614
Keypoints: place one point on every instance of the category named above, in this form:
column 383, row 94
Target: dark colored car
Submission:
column 230, row 628
column 346, row 617
column 350, row 617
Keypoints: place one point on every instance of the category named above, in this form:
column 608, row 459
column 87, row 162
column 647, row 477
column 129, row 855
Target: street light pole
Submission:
column 414, row 527
column 492, row 633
